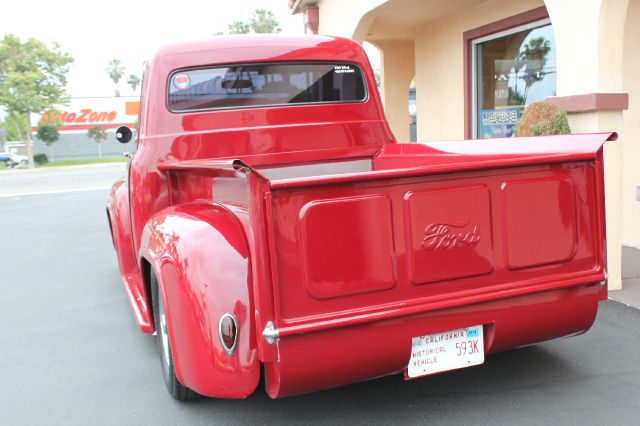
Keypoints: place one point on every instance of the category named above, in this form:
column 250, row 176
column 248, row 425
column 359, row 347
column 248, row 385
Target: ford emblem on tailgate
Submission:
column 442, row 236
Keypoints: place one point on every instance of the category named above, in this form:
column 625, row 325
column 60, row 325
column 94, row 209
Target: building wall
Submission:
column 398, row 69
column 340, row 18
column 569, row 18
column 439, row 66
column 77, row 146
column 631, row 128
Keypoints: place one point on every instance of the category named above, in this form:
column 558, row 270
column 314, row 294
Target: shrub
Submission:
column 40, row 158
column 543, row 118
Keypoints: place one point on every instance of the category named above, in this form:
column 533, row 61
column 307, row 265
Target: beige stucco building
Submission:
column 477, row 63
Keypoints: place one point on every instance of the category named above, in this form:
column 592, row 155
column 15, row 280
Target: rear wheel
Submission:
column 175, row 388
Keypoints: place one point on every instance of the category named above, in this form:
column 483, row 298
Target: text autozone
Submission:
column 84, row 116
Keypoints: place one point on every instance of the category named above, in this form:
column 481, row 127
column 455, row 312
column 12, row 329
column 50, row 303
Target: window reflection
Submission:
column 512, row 72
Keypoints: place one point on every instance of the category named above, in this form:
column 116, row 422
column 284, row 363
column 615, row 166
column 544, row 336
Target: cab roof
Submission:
column 257, row 48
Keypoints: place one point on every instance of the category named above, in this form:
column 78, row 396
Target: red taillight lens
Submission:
column 228, row 333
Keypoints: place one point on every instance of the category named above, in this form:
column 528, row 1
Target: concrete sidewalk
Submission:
column 630, row 293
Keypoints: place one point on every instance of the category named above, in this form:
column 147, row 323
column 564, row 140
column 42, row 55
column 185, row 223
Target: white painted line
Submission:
column 62, row 191
column 25, row 170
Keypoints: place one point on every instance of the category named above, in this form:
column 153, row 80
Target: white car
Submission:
column 13, row 160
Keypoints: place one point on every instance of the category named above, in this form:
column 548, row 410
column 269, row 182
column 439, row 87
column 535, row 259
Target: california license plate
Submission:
column 446, row 351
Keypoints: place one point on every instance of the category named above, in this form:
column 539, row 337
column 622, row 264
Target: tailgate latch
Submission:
column 270, row 333
column 602, row 283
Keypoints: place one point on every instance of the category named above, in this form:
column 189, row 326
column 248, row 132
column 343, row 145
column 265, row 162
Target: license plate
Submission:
column 446, row 351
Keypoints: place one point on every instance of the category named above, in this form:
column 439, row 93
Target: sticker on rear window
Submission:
column 181, row 81
column 343, row 69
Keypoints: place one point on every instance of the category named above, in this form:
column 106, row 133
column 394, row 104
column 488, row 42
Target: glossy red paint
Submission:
column 120, row 223
column 314, row 361
column 340, row 263
column 482, row 245
column 200, row 253
column 312, row 219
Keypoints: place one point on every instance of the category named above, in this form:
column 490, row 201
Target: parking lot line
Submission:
column 60, row 191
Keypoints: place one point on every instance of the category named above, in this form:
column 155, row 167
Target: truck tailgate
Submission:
column 358, row 249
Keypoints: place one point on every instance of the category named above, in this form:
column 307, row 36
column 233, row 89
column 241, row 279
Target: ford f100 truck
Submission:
column 270, row 221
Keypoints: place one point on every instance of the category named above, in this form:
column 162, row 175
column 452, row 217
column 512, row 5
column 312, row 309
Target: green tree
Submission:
column 238, row 27
column 133, row 81
column 533, row 58
column 98, row 134
column 15, row 131
column 115, row 69
column 32, row 79
column 49, row 134
column 263, row 21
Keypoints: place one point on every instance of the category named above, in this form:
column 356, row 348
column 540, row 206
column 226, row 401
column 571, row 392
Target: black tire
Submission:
column 176, row 389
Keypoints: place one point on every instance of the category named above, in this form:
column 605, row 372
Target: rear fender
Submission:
column 201, row 258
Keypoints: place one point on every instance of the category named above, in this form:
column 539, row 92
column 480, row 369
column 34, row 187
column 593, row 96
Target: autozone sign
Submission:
column 86, row 115
column 83, row 113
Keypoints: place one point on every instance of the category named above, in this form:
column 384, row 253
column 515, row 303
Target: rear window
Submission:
column 256, row 85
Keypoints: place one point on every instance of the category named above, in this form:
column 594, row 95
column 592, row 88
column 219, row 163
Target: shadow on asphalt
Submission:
column 553, row 377
column 392, row 396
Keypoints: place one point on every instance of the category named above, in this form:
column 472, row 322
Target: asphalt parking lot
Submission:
column 70, row 352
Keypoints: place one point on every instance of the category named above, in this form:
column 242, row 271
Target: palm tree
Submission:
column 98, row 134
column 238, row 27
column 263, row 21
column 133, row 81
column 115, row 69
column 533, row 58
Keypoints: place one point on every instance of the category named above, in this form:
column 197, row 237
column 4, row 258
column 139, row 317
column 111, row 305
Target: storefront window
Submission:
column 512, row 69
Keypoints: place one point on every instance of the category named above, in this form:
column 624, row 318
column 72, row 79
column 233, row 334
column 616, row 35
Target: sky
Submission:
column 94, row 32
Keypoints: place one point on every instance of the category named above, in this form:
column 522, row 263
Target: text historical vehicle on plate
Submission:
column 450, row 350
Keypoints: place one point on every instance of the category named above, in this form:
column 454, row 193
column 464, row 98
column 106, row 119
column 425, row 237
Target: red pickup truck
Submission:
column 270, row 219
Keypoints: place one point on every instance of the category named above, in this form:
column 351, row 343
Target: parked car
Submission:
column 13, row 160
column 270, row 220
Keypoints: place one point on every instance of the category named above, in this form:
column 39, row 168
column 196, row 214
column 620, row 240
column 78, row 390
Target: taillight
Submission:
column 228, row 333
